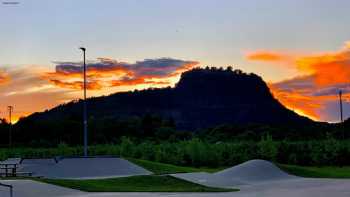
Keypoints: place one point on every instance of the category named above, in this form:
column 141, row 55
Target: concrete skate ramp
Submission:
column 39, row 167
column 255, row 171
column 28, row 188
column 211, row 180
column 82, row 168
column 250, row 172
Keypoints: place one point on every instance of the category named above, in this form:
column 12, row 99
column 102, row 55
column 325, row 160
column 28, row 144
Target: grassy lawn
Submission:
column 303, row 171
column 161, row 168
column 151, row 183
column 317, row 172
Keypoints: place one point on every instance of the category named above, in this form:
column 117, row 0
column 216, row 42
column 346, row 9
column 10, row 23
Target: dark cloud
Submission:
column 300, row 83
column 306, row 85
column 333, row 90
column 105, row 72
column 159, row 67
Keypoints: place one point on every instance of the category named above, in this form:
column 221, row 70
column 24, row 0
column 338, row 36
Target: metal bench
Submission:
column 10, row 170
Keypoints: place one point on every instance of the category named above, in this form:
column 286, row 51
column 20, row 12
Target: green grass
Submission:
column 162, row 168
column 150, row 183
column 317, row 172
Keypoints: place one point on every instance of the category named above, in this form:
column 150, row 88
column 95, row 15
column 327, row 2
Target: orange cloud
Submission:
column 329, row 68
column 28, row 92
column 4, row 77
column 91, row 85
column 137, row 81
column 347, row 45
column 322, row 75
column 310, row 102
column 106, row 72
column 268, row 56
column 297, row 101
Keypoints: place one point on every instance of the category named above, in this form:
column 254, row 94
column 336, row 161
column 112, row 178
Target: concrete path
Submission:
column 28, row 188
column 285, row 188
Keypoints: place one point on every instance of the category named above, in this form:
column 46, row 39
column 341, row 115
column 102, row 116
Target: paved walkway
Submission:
column 287, row 188
column 28, row 188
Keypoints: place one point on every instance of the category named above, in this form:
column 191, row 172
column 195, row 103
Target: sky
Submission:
column 300, row 48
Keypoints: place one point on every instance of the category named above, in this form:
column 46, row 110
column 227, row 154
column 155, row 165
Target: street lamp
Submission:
column 341, row 113
column 341, row 106
column 10, row 110
column 85, row 109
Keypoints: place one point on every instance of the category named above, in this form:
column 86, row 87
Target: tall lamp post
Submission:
column 10, row 109
column 341, row 106
column 341, row 113
column 85, row 109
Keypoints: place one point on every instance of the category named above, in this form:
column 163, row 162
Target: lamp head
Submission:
column 82, row 48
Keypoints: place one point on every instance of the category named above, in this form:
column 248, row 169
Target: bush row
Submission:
column 196, row 152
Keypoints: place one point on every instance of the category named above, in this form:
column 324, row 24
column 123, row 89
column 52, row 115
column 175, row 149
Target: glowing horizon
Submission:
column 304, row 57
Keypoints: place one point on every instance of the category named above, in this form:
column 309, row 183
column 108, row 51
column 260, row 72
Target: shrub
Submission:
column 126, row 147
column 267, row 148
column 199, row 153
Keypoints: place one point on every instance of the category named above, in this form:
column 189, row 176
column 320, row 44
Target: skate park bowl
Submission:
column 80, row 167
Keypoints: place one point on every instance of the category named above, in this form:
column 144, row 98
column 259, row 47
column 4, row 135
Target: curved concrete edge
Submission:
column 248, row 173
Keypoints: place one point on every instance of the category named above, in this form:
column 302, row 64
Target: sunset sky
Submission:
column 301, row 48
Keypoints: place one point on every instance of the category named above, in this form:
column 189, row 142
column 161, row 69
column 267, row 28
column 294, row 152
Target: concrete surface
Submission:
column 28, row 188
column 82, row 168
column 284, row 188
column 256, row 178
column 250, row 172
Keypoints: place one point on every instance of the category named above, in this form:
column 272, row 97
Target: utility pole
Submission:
column 341, row 106
column 10, row 110
column 341, row 113
column 85, row 109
